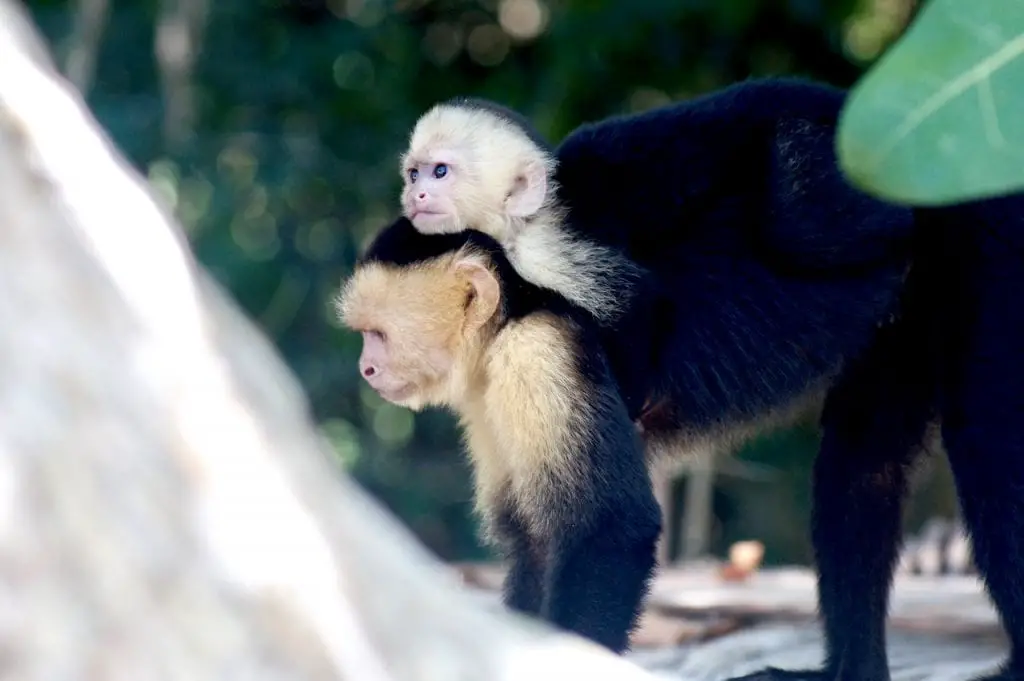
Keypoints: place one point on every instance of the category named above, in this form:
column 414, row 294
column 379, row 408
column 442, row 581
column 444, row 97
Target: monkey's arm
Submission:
column 578, row 481
column 604, row 535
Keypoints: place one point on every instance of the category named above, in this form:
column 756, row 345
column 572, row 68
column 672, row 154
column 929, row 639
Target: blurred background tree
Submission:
column 272, row 127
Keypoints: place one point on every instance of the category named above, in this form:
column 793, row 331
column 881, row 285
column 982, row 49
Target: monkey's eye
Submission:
column 440, row 170
column 413, row 174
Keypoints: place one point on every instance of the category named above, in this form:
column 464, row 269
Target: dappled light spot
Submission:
column 487, row 45
column 195, row 195
column 257, row 237
column 644, row 98
column 393, row 425
column 871, row 30
column 375, row 215
column 300, row 124
column 442, row 42
column 370, row 400
column 365, row 13
column 344, row 439
column 163, row 178
column 310, row 196
column 353, row 71
column 523, row 19
column 237, row 164
column 284, row 304
column 256, row 202
column 318, row 240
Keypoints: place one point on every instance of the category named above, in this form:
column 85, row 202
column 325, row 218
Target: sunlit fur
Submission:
column 523, row 440
column 428, row 343
column 487, row 155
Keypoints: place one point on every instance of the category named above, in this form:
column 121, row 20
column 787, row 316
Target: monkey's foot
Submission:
column 775, row 674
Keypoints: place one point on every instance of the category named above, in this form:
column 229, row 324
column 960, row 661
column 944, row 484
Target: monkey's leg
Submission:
column 987, row 457
column 874, row 423
column 983, row 424
column 600, row 572
column 603, row 537
column 523, row 588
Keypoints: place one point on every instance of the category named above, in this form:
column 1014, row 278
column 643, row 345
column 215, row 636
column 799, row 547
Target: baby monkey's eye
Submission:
column 413, row 174
column 440, row 170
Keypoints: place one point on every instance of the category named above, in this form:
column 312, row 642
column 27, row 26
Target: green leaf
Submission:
column 940, row 118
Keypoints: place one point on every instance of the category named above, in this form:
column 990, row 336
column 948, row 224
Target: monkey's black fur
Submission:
column 400, row 244
column 763, row 273
column 768, row 268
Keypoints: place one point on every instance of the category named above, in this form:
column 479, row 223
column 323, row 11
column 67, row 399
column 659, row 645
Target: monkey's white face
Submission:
column 428, row 198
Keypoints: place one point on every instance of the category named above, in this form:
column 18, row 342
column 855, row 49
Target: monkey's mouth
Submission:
column 395, row 394
column 427, row 216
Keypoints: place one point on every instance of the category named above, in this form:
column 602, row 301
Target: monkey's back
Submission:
column 766, row 270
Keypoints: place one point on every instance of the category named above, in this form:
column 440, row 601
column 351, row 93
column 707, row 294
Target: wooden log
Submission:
column 167, row 509
column 950, row 604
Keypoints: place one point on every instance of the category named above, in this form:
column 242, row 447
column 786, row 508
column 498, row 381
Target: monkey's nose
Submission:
column 421, row 196
column 369, row 370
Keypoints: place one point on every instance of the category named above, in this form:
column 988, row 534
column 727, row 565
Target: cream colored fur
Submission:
column 526, row 426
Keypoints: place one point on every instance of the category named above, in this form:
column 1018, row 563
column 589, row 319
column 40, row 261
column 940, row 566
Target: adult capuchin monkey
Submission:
column 757, row 279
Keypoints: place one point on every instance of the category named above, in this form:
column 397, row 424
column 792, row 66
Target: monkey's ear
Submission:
column 528, row 191
column 485, row 292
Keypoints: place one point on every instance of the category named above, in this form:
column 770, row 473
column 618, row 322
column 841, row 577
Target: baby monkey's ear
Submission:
column 484, row 292
column 528, row 190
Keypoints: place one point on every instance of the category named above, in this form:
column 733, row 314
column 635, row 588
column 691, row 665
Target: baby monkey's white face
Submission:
column 467, row 168
column 429, row 193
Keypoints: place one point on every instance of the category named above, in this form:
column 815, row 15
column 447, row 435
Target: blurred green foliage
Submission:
column 302, row 107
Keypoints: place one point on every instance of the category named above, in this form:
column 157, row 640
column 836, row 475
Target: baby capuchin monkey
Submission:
column 560, row 475
column 476, row 164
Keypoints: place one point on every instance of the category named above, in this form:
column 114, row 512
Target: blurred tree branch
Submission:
column 84, row 43
column 166, row 508
column 179, row 35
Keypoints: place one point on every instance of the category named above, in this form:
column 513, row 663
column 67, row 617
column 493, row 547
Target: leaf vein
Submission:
column 955, row 87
